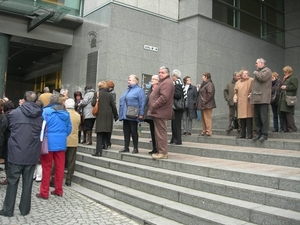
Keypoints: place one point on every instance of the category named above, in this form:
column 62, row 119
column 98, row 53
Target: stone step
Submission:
column 271, row 143
column 264, row 196
column 271, row 156
column 134, row 213
column 162, row 191
column 179, row 212
column 269, row 176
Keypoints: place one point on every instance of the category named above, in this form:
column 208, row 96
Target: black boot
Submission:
column 135, row 151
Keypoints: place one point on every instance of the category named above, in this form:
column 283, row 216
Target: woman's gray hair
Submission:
column 135, row 77
column 155, row 77
column 54, row 99
column 176, row 73
column 69, row 103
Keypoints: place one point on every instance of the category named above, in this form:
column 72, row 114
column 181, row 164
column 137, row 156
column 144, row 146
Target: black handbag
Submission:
column 179, row 104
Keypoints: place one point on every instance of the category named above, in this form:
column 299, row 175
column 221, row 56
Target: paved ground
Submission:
column 72, row 208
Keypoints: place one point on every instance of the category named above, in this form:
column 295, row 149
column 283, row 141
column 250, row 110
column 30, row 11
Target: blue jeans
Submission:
column 199, row 115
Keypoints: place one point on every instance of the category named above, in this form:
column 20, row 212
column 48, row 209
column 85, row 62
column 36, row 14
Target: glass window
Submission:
column 262, row 18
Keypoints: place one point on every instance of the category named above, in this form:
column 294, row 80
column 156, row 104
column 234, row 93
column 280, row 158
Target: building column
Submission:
column 4, row 43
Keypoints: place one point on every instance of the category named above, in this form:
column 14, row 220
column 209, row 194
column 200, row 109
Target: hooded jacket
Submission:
column 24, row 143
column 58, row 127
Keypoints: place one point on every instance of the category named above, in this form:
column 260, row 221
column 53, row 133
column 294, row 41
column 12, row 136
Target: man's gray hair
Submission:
column 165, row 68
column 176, row 73
column 54, row 99
column 30, row 96
column 46, row 90
column 262, row 60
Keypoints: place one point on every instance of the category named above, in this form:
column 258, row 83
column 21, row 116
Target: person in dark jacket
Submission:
column 189, row 112
column 228, row 96
column 206, row 103
column 288, row 88
column 261, row 97
column 149, row 119
column 24, row 148
column 180, row 93
column 106, row 113
column 8, row 106
column 276, row 85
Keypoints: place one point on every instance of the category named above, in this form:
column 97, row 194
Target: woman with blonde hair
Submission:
column 242, row 90
column 134, row 96
column 107, row 111
column 288, row 88
column 276, row 84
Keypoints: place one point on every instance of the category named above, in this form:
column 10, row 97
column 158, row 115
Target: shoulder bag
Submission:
column 96, row 107
column 132, row 112
column 290, row 100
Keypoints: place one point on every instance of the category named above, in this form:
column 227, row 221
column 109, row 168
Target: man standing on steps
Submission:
column 228, row 96
column 261, row 98
column 161, row 109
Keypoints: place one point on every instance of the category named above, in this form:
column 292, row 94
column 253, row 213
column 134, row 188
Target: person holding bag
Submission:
column 133, row 96
column 107, row 111
column 179, row 94
column 288, row 88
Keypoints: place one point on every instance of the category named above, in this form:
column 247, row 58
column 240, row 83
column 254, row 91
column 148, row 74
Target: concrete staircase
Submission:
column 206, row 180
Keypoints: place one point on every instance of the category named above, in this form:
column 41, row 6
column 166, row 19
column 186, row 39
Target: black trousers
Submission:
column 130, row 129
column 176, row 127
column 101, row 139
column 14, row 172
column 261, row 112
column 246, row 124
column 152, row 132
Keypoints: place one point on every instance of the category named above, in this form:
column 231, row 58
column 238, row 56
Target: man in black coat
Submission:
column 24, row 146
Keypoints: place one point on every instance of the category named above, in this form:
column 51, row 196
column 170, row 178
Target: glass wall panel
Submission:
column 250, row 6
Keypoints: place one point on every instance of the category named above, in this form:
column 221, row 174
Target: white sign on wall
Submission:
column 151, row 48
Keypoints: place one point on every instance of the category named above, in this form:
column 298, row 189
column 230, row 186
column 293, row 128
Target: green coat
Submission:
column 291, row 84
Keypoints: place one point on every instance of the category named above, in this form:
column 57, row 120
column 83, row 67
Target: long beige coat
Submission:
column 72, row 140
column 242, row 89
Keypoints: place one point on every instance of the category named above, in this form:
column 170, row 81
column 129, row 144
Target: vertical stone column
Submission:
column 4, row 43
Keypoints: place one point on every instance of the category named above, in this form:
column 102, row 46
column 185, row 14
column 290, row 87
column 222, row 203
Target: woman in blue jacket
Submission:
column 58, row 127
column 133, row 96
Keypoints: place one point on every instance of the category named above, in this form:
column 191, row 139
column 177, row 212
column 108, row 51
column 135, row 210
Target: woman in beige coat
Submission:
column 242, row 90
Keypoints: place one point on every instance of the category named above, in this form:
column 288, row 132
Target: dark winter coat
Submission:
column 262, row 85
column 229, row 92
column 4, row 134
column 206, row 96
column 291, row 84
column 107, row 111
column 24, row 143
column 275, row 94
column 191, row 99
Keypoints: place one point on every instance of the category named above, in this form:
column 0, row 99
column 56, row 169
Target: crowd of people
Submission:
column 67, row 122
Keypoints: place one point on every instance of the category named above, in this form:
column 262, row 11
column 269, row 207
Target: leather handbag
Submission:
column 291, row 100
column 44, row 148
column 132, row 112
column 96, row 107
column 179, row 104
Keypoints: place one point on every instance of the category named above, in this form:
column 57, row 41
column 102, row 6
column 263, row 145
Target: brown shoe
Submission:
column 159, row 156
column 54, row 193
column 3, row 182
column 39, row 195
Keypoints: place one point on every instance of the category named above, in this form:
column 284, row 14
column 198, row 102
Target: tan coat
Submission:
column 72, row 140
column 45, row 98
column 242, row 89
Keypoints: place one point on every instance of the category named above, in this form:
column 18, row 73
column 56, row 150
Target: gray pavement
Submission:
column 72, row 208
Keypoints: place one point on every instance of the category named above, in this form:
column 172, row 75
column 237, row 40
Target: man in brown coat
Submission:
column 261, row 98
column 161, row 109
